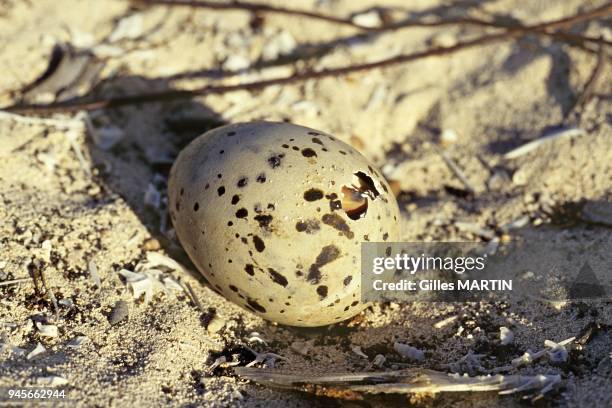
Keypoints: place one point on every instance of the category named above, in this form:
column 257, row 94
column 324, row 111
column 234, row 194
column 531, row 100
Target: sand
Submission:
column 69, row 202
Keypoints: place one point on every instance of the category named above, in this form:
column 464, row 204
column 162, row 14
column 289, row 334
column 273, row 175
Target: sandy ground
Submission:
column 63, row 215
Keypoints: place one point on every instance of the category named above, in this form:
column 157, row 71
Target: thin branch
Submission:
column 253, row 7
column 589, row 86
column 408, row 23
column 15, row 281
column 454, row 167
column 77, row 105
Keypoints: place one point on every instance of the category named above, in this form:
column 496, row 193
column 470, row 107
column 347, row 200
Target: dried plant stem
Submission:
column 408, row 23
column 454, row 167
column 589, row 87
column 15, row 281
column 78, row 105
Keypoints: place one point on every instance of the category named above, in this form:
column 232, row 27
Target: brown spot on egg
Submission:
column 253, row 303
column 243, row 181
column 309, row 226
column 248, row 268
column 275, row 160
column 264, row 220
column 308, row 152
column 277, row 277
column 322, row 291
column 313, row 194
column 338, row 223
column 259, row 244
column 328, row 254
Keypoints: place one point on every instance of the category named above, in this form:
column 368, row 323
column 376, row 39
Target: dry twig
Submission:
column 589, row 87
column 407, row 23
column 15, row 281
column 456, row 171
column 113, row 102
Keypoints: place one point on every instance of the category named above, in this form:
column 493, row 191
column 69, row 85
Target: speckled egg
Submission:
column 273, row 215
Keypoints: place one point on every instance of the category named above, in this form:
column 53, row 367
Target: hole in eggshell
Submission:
column 355, row 197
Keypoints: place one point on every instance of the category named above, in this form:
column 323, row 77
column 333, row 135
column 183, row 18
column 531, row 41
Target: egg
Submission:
column 274, row 214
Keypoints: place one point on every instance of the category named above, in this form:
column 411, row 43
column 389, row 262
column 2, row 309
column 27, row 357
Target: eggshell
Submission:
column 273, row 215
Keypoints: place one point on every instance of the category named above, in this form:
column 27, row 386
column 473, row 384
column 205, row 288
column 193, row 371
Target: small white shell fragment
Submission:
column 217, row 363
column 506, row 336
column 156, row 259
column 236, row 63
column 445, row 322
column 171, row 285
column 139, row 284
column 280, row 44
column 369, row 19
column 66, row 302
column 81, row 39
column 93, row 274
column 131, row 276
column 448, row 137
column 557, row 352
column 409, row 352
column 77, row 341
column 357, row 350
column 469, row 364
column 49, row 160
column 527, row 358
column 255, row 337
column 39, row 349
column 520, row 177
column 50, row 381
column 379, row 360
column 268, row 359
column 149, row 281
column 47, row 330
column 142, row 287
column 129, row 27
column 28, row 326
column 107, row 51
column 46, row 247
